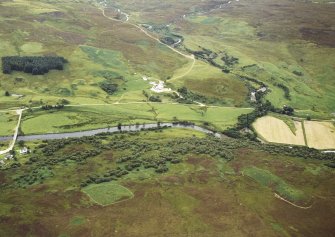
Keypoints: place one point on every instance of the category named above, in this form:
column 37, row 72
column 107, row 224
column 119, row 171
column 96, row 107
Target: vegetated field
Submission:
column 202, row 195
column 320, row 135
column 266, row 178
column 275, row 130
column 91, row 117
column 107, row 193
column 212, row 83
column 8, row 122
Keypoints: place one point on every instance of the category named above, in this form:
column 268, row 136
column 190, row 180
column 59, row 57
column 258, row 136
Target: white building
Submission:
column 24, row 150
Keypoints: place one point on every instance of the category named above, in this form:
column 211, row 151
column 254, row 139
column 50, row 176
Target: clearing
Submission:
column 107, row 193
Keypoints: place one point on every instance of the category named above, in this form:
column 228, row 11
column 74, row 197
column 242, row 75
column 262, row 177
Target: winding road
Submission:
column 11, row 145
column 190, row 57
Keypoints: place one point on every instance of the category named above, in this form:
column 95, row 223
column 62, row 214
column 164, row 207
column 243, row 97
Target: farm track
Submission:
column 291, row 203
column 11, row 145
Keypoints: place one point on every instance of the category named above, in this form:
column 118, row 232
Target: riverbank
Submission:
column 124, row 128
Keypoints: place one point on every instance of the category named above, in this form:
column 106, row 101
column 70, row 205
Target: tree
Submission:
column 21, row 143
column 64, row 102
column 119, row 126
column 35, row 65
column 108, row 87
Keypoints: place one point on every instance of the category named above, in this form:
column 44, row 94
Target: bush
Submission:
column 155, row 99
column 108, row 87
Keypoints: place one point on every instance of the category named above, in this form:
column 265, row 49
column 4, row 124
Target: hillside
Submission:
column 167, row 118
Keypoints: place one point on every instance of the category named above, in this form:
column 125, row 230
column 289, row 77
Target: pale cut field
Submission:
column 275, row 130
column 320, row 135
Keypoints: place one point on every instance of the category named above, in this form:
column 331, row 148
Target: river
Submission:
column 127, row 128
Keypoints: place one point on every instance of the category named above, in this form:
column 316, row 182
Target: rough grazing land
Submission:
column 275, row 130
column 203, row 194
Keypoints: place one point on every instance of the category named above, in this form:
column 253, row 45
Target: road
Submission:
column 11, row 145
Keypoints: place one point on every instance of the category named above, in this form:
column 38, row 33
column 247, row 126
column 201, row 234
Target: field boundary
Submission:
column 291, row 203
column 304, row 132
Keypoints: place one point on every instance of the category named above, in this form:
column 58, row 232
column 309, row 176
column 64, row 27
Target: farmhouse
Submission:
column 24, row 151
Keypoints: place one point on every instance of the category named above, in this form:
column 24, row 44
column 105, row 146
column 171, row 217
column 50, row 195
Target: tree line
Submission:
column 36, row 65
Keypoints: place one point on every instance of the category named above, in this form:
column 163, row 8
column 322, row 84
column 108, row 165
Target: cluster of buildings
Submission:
column 9, row 156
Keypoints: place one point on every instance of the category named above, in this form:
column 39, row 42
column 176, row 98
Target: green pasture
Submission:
column 77, row 118
column 107, row 193
column 268, row 179
column 274, row 61
column 8, row 122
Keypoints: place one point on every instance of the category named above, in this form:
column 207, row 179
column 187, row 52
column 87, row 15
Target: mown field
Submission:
column 276, row 130
column 213, row 190
column 320, row 135
column 74, row 118
column 283, row 129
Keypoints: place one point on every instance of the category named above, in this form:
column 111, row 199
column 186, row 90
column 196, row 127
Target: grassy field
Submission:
column 275, row 130
column 8, row 122
column 108, row 193
column 91, row 117
column 320, row 135
column 267, row 179
column 211, row 82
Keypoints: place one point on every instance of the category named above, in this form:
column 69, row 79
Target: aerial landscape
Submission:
column 167, row 118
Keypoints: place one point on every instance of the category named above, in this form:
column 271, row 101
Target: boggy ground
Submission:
column 204, row 195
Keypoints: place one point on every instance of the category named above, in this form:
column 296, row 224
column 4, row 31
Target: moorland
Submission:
column 259, row 73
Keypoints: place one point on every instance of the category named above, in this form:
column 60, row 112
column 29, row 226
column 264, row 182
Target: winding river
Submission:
column 127, row 128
